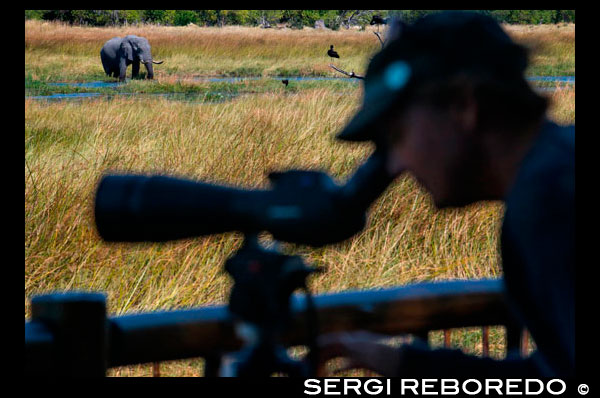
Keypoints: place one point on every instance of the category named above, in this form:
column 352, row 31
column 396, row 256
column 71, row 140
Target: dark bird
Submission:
column 332, row 53
column 377, row 20
column 285, row 81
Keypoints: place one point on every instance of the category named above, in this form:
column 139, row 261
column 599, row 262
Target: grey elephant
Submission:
column 118, row 53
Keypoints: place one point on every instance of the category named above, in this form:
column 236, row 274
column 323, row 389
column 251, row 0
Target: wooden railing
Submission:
column 70, row 333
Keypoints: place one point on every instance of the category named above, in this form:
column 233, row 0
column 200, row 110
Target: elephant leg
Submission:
column 106, row 64
column 135, row 69
column 122, row 69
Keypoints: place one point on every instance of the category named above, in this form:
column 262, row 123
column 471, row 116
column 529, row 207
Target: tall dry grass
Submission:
column 552, row 47
column 62, row 52
column 69, row 145
column 207, row 51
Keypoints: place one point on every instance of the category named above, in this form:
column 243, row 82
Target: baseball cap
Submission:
column 435, row 47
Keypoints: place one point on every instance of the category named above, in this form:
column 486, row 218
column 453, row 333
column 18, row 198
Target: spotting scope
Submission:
column 304, row 207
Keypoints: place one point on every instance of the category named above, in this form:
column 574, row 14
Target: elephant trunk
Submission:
column 150, row 70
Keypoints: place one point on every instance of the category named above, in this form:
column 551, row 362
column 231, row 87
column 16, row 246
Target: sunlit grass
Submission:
column 552, row 47
column 59, row 52
column 69, row 145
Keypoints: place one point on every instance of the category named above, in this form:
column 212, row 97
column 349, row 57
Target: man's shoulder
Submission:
column 543, row 195
column 549, row 168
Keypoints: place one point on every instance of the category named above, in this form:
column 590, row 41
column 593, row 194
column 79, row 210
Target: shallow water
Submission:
column 97, row 84
column 556, row 79
column 224, row 96
column 63, row 96
column 212, row 97
column 290, row 78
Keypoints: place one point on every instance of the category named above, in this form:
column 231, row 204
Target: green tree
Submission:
column 564, row 16
column 34, row 14
column 265, row 17
column 332, row 19
column 58, row 15
column 162, row 17
column 294, row 18
column 185, row 17
column 207, row 17
column 130, row 16
column 90, row 17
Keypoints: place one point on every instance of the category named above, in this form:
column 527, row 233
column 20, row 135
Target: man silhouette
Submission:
column 448, row 99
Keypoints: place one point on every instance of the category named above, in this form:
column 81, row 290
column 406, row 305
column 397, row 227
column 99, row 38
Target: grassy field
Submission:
column 69, row 145
column 56, row 52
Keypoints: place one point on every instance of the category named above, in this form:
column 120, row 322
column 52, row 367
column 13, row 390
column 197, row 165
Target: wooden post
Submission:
column 77, row 322
column 524, row 343
column 39, row 350
column 212, row 364
column 155, row 369
column 485, row 341
column 447, row 337
column 513, row 339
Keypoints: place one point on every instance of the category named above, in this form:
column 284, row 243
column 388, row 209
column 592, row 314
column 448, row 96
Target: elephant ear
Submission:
column 126, row 50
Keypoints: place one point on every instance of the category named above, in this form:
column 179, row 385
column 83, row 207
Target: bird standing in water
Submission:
column 332, row 53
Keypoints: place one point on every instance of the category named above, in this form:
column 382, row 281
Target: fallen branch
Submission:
column 351, row 74
column 379, row 37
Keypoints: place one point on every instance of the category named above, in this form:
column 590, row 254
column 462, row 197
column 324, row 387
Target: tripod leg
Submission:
column 212, row 365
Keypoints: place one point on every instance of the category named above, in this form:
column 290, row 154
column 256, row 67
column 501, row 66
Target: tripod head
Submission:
column 264, row 281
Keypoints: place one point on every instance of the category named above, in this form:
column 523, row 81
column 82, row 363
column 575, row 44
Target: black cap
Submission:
column 434, row 47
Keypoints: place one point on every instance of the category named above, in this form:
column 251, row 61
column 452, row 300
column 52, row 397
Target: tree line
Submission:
column 332, row 19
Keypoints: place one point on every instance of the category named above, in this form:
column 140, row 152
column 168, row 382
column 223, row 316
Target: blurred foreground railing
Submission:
column 69, row 334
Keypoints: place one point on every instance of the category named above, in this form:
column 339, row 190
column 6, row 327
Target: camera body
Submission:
column 260, row 299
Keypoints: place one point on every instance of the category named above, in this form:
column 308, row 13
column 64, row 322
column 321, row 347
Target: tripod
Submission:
column 264, row 281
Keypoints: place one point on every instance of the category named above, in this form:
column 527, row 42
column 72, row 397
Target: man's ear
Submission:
column 470, row 113
column 465, row 109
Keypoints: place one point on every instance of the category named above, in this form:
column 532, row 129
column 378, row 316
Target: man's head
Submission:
column 438, row 94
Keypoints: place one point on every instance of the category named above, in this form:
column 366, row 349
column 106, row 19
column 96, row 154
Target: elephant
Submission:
column 118, row 53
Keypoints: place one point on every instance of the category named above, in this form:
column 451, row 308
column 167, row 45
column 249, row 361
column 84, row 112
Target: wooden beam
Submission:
column 68, row 331
column 208, row 331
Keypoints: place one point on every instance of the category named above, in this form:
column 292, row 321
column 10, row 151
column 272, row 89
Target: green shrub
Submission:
column 162, row 17
column 185, row 17
column 294, row 18
column 34, row 14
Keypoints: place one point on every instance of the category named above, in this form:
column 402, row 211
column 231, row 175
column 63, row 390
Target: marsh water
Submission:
column 185, row 97
column 219, row 96
column 553, row 79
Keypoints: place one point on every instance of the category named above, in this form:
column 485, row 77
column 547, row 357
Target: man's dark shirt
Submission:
column 538, row 259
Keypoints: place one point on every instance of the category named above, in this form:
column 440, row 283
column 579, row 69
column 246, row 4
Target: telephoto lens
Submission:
column 134, row 208
column 304, row 207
